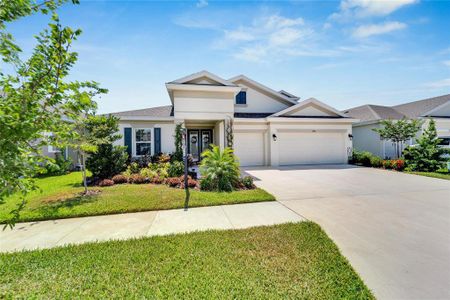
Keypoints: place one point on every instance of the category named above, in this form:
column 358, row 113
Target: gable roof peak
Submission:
column 200, row 74
column 263, row 88
column 307, row 102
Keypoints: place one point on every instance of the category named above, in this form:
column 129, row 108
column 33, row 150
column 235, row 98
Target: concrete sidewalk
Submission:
column 48, row 234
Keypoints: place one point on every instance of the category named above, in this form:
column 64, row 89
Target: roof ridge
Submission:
column 427, row 99
column 125, row 111
column 373, row 111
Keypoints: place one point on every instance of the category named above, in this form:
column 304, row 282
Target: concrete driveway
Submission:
column 393, row 227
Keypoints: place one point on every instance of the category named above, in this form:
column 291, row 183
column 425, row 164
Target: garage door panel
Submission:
column 311, row 147
column 249, row 148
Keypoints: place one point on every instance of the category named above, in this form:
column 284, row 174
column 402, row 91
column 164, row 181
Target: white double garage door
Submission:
column 293, row 147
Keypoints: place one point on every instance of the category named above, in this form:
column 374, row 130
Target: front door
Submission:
column 199, row 141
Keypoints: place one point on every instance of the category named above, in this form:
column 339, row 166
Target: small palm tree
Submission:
column 220, row 168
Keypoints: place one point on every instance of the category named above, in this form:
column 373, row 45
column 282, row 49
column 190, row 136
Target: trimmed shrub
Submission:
column 142, row 161
column 376, row 161
column 387, row 164
column 366, row 159
column 398, row 164
column 148, row 173
column 157, row 180
column 133, row 168
column 247, row 181
column 176, row 169
column 173, row 181
column 106, row 182
column 192, row 183
column 206, row 184
column 119, row 179
column 107, row 161
column 163, row 158
column 137, row 179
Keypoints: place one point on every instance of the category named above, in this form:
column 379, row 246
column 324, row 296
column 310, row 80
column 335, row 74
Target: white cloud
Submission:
column 368, row 8
column 254, row 53
column 239, row 35
column 444, row 83
column 446, row 62
column 202, row 3
column 268, row 35
column 285, row 36
column 365, row 31
column 276, row 21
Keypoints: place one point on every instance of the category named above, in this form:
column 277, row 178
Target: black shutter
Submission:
column 128, row 140
column 157, row 141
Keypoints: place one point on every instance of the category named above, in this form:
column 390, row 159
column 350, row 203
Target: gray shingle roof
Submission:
column 410, row 110
column 418, row 108
column 159, row 111
column 371, row 112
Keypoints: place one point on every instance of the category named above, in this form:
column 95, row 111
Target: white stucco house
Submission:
column 370, row 116
column 270, row 128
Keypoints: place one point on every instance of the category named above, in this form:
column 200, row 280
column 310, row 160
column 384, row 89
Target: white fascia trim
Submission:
column 201, row 74
column 310, row 120
column 145, row 118
column 262, row 87
column 363, row 123
column 428, row 113
column 305, row 103
column 195, row 87
column 249, row 120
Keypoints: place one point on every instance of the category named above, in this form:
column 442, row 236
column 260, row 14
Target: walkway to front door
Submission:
column 199, row 140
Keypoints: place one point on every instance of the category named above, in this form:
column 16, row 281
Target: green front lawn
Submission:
column 59, row 199
column 440, row 175
column 282, row 261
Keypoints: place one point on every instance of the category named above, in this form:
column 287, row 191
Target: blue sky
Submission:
column 345, row 53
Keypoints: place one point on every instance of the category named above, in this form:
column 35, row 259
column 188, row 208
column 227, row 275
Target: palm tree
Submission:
column 220, row 168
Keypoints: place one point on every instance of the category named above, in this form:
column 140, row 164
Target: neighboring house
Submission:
column 268, row 127
column 370, row 116
column 67, row 152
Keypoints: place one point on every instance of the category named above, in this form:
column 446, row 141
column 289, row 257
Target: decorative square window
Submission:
column 143, row 138
column 241, row 98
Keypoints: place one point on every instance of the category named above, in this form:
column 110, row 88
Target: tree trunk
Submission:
column 84, row 174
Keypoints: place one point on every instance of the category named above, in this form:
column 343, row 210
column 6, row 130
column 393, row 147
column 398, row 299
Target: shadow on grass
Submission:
column 51, row 209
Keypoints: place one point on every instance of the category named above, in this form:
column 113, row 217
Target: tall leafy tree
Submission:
column 35, row 96
column 427, row 155
column 398, row 132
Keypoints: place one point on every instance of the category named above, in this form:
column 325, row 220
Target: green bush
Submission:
column 366, row 159
column 176, row 169
column 220, row 169
column 247, row 181
column 107, row 161
column 59, row 166
column 376, row 161
column 206, row 184
column 148, row 173
column 427, row 155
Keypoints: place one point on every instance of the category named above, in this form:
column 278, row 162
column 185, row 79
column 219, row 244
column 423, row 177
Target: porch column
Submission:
column 219, row 132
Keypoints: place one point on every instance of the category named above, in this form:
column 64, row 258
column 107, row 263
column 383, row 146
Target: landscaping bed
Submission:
column 282, row 261
column 60, row 198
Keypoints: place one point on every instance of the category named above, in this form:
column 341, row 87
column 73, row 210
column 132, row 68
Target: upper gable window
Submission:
column 241, row 98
